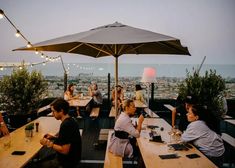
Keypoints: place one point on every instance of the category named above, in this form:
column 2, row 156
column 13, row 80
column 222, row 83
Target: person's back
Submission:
column 139, row 95
column 69, row 134
column 96, row 95
column 120, row 96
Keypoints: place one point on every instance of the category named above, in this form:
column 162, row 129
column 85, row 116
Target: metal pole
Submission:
column 109, row 88
column 65, row 81
column 201, row 64
column 65, row 74
column 152, row 95
column 116, row 84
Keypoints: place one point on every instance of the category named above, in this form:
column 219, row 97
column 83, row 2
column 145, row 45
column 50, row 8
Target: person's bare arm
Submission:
column 64, row 149
column 3, row 127
column 173, row 116
column 140, row 121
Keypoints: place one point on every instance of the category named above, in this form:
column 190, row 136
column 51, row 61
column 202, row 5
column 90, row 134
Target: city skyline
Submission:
column 205, row 27
column 125, row 70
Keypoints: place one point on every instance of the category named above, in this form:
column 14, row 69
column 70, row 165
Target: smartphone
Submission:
column 169, row 156
column 18, row 153
column 192, row 156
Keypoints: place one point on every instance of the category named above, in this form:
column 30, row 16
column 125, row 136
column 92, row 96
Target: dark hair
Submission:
column 180, row 100
column 200, row 111
column 205, row 115
column 191, row 99
column 69, row 88
column 95, row 84
column 138, row 87
column 60, row 104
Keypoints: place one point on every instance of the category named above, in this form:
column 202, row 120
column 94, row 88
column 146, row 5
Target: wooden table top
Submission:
column 170, row 107
column 231, row 121
column 151, row 150
column 80, row 102
column 30, row 145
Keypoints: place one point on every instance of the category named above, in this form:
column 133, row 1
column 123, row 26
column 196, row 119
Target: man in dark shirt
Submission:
column 182, row 110
column 68, row 143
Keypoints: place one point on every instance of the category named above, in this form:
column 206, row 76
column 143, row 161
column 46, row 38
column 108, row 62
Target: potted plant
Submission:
column 19, row 94
column 208, row 91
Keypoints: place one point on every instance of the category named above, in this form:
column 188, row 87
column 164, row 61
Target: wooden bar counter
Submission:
column 31, row 145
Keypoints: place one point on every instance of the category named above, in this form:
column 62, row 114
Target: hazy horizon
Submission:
column 126, row 69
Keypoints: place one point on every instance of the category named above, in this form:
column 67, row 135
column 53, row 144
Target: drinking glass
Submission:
column 6, row 142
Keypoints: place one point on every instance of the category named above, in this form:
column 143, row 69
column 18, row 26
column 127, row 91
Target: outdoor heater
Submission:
column 148, row 77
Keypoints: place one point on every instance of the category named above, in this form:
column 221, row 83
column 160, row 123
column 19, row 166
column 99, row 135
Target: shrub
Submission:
column 20, row 92
column 207, row 89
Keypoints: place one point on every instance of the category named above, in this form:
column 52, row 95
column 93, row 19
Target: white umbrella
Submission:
column 113, row 40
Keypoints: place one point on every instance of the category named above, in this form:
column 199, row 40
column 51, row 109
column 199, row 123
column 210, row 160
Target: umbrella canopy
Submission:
column 113, row 40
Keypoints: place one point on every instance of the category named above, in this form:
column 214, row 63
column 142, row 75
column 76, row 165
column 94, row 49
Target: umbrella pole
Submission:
column 116, row 84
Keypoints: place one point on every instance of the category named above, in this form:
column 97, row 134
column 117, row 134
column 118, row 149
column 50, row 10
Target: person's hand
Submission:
column 46, row 142
column 140, row 119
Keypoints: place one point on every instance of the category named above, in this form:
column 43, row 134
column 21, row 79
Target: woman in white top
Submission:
column 199, row 133
column 124, row 129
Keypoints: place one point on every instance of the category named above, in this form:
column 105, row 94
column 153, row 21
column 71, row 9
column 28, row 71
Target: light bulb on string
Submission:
column 17, row 33
column 1, row 14
column 29, row 45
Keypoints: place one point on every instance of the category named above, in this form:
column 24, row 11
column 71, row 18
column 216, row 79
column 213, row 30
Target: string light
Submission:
column 29, row 45
column 17, row 33
column 1, row 14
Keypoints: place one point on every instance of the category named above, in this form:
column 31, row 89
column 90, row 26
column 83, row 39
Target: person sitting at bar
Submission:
column 139, row 95
column 200, row 133
column 3, row 128
column 120, row 96
column 95, row 93
column 68, row 142
column 181, row 109
column 122, row 142
column 69, row 93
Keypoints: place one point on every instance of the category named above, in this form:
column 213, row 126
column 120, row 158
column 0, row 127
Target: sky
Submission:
column 206, row 27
